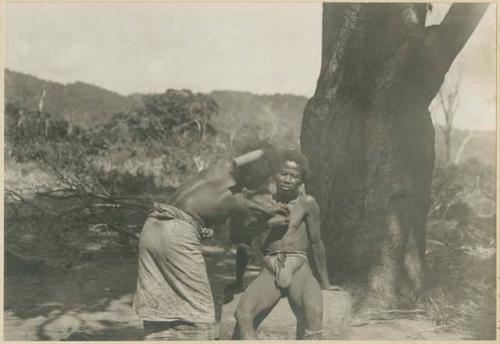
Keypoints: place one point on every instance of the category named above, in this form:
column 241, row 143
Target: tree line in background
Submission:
column 110, row 173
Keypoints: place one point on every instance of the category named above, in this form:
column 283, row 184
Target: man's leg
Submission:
column 242, row 254
column 306, row 300
column 255, row 304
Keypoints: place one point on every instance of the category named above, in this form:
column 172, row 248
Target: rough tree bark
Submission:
column 368, row 134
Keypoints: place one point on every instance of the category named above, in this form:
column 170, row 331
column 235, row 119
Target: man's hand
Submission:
column 206, row 233
column 278, row 221
column 331, row 287
column 280, row 209
column 284, row 209
column 264, row 206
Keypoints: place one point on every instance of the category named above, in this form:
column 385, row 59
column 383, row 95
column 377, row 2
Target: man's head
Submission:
column 254, row 174
column 293, row 171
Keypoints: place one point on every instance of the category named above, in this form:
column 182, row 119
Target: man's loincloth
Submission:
column 275, row 261
column 172, row 283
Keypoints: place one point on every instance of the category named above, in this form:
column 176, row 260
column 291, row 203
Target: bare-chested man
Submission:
column 286, row 270
column 173, row 296
column 245, row 229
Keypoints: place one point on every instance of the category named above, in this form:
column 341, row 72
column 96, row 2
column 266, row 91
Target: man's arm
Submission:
column 319, row 253
column 237, row 228
column 244, row 223
column 263, row 205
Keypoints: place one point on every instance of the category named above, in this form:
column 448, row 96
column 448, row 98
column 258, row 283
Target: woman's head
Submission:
column 254, row 174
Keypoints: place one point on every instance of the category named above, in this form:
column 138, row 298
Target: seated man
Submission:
column 286, row 270
column 246, row 227
column 173, row 296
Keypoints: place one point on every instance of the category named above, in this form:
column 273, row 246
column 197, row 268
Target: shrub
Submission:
column 461, row 248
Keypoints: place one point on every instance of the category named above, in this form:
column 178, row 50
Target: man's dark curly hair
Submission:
column 299, row 158
column 256, row 173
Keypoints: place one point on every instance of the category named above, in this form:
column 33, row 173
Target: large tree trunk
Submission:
column 368, row 134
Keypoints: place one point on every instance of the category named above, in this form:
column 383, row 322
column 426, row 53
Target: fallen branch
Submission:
column 80, row 190
column 22, row 199
column 120, row 206
column 435, row 328
column 399, row 311
column 387, row 315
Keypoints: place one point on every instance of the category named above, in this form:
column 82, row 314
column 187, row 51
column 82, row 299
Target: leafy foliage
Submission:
column 461, row 248
column 162, row 116
column 106, row 175
column 28, row 131
column 275, row 118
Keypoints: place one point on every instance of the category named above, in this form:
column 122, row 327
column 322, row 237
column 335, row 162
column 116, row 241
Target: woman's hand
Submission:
column 267, row 207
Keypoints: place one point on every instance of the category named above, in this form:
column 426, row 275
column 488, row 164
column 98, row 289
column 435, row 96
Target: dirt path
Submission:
column 402, row 329
column 92, row 301
column 89, row 301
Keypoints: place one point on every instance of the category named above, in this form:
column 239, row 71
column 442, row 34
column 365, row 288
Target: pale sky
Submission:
column 260, row 47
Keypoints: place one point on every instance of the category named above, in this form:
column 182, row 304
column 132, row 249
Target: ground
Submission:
column 90, row 299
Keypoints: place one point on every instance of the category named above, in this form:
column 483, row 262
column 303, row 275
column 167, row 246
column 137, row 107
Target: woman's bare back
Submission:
column 207, row 196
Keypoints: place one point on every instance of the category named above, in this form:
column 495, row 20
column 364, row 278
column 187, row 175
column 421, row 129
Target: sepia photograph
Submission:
column 238, row 170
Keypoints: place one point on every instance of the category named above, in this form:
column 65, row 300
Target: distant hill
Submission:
column 280, row 114
column 81, row 102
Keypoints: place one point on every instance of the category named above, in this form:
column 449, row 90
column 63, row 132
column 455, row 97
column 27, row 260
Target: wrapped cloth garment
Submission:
column 282, row 267
column 178, row 330
column 164, row 211
column 172, row 283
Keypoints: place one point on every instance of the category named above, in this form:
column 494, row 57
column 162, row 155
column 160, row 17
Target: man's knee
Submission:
column 243, row 316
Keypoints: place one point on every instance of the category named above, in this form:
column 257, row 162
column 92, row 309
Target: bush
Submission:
column 106, row 175
column 461, row 248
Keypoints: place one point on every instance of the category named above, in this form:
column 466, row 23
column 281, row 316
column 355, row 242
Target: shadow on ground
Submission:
column 89, row 301
column 92, row 301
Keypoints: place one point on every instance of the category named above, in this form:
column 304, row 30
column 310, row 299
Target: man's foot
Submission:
column 230, row 290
